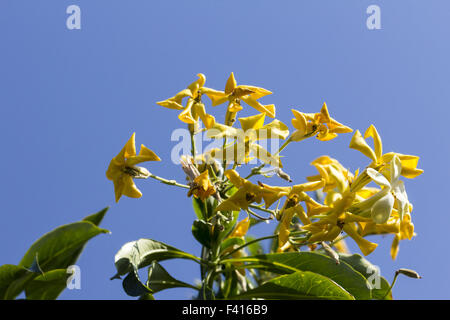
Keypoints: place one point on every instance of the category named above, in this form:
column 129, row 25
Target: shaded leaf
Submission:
column 143, row 252
column 199, row 208
column 288, row 262
column 8, row 274
column 159, row 279
column 202, row 232
column 298, row 285
column 230, row 242
column 367, row 269
column 47, row 286
column 133, row 286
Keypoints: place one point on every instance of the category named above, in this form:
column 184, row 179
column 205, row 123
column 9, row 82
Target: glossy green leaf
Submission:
column 231, row 242
column 199, row 208
column 255, row 248
column 228, row 225
column 159, row 279
column 289, row 262
column 56, row 249
column 298, row 285
column 96, row 218
column 47, row 286
column 143, row 252
column 146, row 296
column 368, row 270
column 133, row 286
column 201, row 231
column 211, row 205
column 8, row 274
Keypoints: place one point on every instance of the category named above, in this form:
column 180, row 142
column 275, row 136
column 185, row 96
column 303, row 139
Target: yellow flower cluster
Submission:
column 348, row 208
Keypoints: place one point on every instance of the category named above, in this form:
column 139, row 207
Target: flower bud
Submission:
column 330, row 252
column 409, row 273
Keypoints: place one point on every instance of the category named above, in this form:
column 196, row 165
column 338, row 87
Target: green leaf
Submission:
column 59, row 248
column 146, row 296
column 228, row 225
column 255, row 248
column 211, row 204
column 289, row 262
column 133, row 286
column 8, row 274
column 298, row 285
column 56, row 249
column 368, row 270
column 202, row 232
column 199, row 208
column 18, row 285
column 143, row 252
column 47, row 286
column 230, row 242
column 159, row 279
column 96, row 218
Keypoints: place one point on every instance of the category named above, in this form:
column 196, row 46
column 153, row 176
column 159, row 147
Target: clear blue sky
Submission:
column 70, row 99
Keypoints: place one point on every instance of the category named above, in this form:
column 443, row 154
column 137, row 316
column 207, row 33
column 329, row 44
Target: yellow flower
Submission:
column 241, row 228
column 294, row 194
column 252, row 130
column 246, row 194
column 320, row 124
column 234, row 94
column 402, row 229
column 339, row 219
column 380, row 160
column 406, row 231
column 122, row 169
column 202, row 187
column 285, row 226
column 334, row 174
column 393, row 192
column 194, row 109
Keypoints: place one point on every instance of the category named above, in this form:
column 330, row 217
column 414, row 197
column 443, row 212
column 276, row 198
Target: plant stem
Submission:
column 259, row 217
column 192, row 128
column 169, row 182
column 392, row 284
column 249, row 243
column 255, row 171
column 284, row 145
column 261, row 209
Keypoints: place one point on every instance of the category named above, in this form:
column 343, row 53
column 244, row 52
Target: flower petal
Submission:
column 358, row 143
column 253, row 122
column 269, row 109
column 372, row 132
column 378, row 178
column 263, row 155
column 381, row 210
column 231, row 84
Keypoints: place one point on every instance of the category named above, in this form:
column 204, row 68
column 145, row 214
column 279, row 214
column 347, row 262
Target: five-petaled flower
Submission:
column 235, row 93
column 252, row 130
column 319, row 124
column 122, row 169
column 194, row 108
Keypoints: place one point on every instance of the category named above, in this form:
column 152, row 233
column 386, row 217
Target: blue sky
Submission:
column 70, row 99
